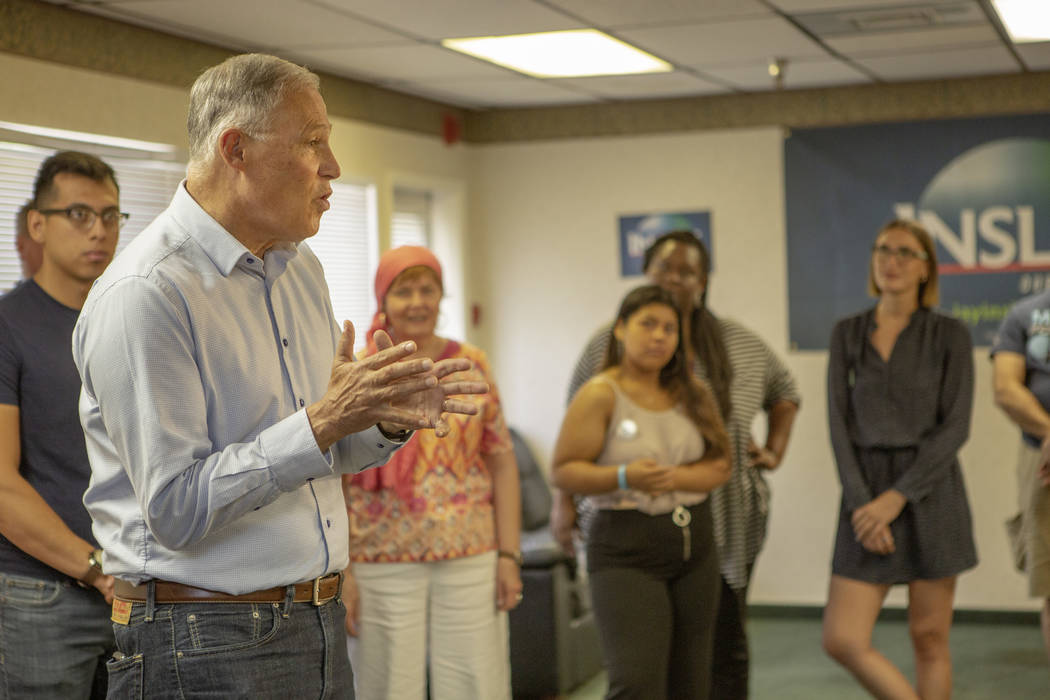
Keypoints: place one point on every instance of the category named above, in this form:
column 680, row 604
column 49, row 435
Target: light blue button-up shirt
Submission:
column 198, row 360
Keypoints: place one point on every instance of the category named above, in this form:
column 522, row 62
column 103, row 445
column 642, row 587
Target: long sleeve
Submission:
column 855, row 489
column 938, row 449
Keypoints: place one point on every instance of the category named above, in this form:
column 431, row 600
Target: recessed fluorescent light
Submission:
column 567, row 54
column 1025, row 20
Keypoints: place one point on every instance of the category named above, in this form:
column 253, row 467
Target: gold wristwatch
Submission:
column 95, row 568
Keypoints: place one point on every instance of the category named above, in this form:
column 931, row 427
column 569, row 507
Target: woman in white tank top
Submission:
column 643, row 441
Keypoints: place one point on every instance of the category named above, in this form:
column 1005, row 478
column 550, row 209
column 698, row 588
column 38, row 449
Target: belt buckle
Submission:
column 315, row 598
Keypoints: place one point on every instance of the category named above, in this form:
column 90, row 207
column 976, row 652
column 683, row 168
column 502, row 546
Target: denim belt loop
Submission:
column 151, row 600
column 289, row 601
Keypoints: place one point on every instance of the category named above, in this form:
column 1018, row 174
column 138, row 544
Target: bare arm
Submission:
column 780, row 419
column 1013, row 396
column 29, row 522
column 581, row 439
column 703, row 476
column 506, row 501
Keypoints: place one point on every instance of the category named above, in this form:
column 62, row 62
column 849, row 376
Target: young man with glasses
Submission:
column 54, row 628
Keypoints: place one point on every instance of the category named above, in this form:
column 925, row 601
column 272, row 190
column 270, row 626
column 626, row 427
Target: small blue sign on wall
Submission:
column 638, row 231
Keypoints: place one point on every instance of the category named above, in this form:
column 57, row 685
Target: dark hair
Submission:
column 705, row 332
column 929, row 291
column 22, row 220
column 675, row 376
column 73, row 162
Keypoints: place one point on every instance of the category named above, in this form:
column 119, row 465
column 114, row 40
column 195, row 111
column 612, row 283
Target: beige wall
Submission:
column 547, row 271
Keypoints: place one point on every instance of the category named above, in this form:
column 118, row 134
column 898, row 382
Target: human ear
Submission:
column 231, row 147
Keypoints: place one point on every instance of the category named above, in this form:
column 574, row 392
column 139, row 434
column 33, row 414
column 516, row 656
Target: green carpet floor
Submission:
column 992, row 661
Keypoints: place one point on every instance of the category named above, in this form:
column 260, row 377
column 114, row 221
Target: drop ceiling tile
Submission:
column 647, row 86
column 458, row 18
column 400, row 63
column 624, row 13
column 1036, row 55
column 271, row 24
column 797, row 74
column 885, row 42
column 511, row 92
column 796, row 6
column 725, row 42
column 953, row 63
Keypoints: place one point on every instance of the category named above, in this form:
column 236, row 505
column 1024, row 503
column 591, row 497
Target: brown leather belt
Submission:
column 318, row 591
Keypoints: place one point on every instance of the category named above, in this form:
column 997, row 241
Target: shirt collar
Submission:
column 225, row 251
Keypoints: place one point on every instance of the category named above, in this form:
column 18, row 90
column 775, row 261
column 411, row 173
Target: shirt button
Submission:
column 285, row 341
column 250, row 261
column 301, row 403
column 329, row 522
column 380, row 445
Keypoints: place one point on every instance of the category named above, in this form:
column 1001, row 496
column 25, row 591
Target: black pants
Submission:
column 655, row 611
column 729, row 670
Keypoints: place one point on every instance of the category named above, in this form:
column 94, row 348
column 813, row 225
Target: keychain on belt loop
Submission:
column 681, row 517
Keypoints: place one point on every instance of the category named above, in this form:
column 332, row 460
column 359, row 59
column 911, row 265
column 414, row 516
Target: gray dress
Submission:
column 900, row 424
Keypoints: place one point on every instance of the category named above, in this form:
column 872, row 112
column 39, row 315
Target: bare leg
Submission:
column 1046, row 627
column 929, row 622
column 849, row 618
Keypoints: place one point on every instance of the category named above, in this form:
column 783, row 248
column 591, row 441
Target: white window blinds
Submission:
column 146, row 187
column 410, row 223
column 347, row 246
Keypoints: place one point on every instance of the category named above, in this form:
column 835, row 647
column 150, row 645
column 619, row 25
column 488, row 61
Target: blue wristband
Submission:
column 621, row 477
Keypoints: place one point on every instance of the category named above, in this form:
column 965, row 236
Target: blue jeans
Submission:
column 278, row 651
column 54, row 640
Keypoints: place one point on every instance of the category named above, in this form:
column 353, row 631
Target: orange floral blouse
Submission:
column 449, row 513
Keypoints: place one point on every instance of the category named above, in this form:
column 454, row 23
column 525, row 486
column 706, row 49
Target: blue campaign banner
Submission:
column 639, row 230
column 981, row 187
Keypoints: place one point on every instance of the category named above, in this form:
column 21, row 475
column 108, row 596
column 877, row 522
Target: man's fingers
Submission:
column 389, row 414
column 402, row 388
column 441, row 427
column 405, row 368
column 390, row 355
column 382, row 340
column 454, row 364
column 464, row 387
column 466, row 408
column 345, row 348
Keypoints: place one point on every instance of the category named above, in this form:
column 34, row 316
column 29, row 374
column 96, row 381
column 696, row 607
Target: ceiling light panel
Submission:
column 572, row 53
column 1025, row 20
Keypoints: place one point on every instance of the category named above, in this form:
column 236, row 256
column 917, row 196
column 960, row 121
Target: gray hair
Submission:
column 242, row 92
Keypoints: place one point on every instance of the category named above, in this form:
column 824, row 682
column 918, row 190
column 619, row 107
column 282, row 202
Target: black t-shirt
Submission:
column 38, row 375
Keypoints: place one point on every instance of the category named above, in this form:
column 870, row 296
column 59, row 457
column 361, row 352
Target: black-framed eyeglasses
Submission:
column 904, row 254
column 83, row 217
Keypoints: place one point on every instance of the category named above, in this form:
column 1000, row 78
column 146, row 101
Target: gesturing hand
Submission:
column 646, row 475
column 877, row 513
column 382, row 388
column 880, row 541
column 432, row 402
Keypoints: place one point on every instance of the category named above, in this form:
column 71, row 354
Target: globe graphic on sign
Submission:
column 658, row 224
column 1000, row 175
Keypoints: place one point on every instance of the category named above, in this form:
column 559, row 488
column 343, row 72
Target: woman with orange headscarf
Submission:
column 434, row 533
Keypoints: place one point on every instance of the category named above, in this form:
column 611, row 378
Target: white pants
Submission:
column 440, row 615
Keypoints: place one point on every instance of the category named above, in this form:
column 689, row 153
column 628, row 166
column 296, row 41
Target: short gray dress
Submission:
column 900, row 424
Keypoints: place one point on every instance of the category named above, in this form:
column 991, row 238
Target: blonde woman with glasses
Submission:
column 900, row 390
